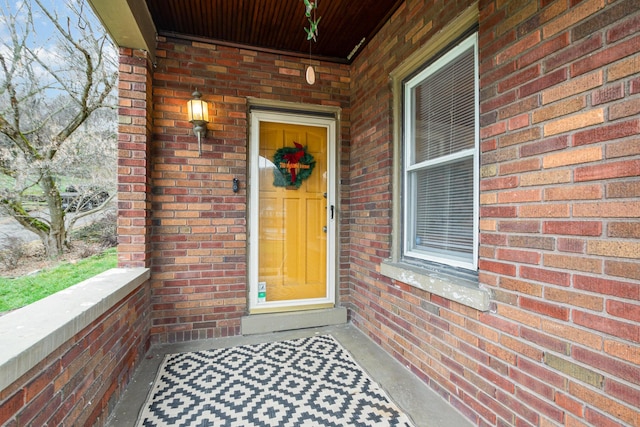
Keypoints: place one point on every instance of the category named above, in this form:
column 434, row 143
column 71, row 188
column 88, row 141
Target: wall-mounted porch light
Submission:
column 198, row 111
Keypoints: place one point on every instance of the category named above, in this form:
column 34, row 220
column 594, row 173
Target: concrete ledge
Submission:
column 275, row 322
column 455, row 289
column 28, row 335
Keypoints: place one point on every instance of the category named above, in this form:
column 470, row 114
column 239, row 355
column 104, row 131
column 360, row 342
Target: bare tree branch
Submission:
column 84, row 214
column 49, row 90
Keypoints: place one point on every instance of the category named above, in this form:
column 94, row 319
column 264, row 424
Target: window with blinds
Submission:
column 441, row 159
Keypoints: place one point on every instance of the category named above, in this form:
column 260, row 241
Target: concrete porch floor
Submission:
column 419, row 402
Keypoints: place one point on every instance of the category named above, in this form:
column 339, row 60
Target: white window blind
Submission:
column 441, row 173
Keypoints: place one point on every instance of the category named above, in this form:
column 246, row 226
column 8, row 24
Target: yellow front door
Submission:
column 292, row 210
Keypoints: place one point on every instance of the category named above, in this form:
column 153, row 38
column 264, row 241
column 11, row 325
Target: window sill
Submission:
column 460, row 290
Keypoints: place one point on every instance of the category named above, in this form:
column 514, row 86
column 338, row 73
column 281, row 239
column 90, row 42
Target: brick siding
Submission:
column 560, row 160
column 80, row 382
column 199, row 225
column 560, row 142
column 134, row 158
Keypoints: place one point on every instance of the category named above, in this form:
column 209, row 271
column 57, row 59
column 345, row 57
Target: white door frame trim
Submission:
column 289, row 117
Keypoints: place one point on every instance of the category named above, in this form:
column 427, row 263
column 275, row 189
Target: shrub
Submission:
column 12, row 251
column 103, row 231
column 109, row 232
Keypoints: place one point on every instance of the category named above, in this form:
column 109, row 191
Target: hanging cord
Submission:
column 311, row 7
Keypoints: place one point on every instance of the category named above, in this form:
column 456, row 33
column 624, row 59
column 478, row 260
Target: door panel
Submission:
column 292, row 235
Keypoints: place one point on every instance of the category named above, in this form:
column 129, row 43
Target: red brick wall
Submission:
column 134, row 158
column 78, row 383
column 199, row 244
column 560, row 216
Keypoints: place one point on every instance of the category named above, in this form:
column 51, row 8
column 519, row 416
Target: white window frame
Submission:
column 459, row 285
column 410, row 167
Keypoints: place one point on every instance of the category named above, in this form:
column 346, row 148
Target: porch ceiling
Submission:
column 272, row 25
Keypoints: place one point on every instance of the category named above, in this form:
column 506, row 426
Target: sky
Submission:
column 44, row 28
column 43, row 40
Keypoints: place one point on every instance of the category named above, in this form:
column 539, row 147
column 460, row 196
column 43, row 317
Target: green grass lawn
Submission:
column 21, row 291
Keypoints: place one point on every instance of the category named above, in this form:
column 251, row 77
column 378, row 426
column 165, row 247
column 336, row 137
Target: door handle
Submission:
column 331, row 210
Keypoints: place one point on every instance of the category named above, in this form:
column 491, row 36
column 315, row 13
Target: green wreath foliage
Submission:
column 282, row 176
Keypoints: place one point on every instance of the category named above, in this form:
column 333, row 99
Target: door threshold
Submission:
column 272, row 310
column 276, row 322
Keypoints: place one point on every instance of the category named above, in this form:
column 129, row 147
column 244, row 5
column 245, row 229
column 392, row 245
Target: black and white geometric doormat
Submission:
column 304, row 382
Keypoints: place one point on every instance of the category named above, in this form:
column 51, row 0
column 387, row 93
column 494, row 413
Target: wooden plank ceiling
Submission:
column 276, row 25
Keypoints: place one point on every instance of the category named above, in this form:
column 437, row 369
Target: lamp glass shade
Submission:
column 198, row 110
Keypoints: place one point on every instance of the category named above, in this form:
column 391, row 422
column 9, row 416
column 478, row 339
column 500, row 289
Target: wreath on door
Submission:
column 293, row 165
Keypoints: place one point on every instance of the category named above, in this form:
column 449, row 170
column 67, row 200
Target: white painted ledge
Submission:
column 452, row 288
column 28, row 335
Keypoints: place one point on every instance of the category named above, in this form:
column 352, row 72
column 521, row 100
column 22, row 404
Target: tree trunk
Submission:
column 55, row 241
column 32, row 139
column 54, row 245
